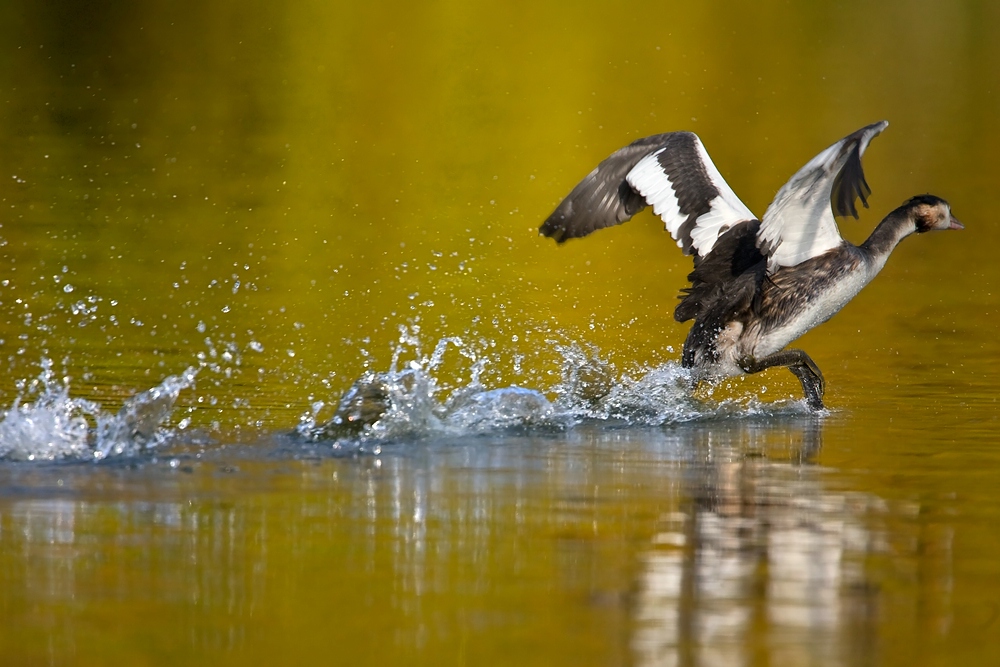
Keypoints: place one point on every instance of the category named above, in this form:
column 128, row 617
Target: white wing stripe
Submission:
column 736, row 208
column 726, row 209
column 648, row 179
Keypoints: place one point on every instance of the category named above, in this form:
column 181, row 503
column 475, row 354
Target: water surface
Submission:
column 217, row 217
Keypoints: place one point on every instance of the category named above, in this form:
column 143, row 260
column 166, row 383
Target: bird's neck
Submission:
column 883, row 240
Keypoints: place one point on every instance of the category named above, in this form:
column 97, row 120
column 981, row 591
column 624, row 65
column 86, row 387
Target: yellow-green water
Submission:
column 272, row 190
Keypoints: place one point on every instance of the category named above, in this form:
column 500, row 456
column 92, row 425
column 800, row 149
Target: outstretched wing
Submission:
column 672, row 173
column 799, row 224
column 604, row 198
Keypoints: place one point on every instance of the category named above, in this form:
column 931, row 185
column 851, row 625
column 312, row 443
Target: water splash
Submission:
column 410, row 400
column 592, row 388
column 52, row 426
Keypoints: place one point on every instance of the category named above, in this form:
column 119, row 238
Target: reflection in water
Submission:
column 125, row 561
column 701, row 544
column 762, row 557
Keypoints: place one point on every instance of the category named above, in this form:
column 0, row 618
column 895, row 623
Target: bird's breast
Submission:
column 794, row 304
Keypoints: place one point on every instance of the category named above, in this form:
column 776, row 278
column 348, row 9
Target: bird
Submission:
column 758, row 283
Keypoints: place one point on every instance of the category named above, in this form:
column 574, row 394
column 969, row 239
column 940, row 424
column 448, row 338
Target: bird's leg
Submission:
column 800, row 364
column 813, row 384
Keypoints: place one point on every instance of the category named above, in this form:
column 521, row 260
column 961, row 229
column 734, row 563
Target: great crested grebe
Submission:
column 757, row 284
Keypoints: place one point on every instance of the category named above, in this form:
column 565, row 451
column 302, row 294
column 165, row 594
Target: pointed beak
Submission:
column 955, row 224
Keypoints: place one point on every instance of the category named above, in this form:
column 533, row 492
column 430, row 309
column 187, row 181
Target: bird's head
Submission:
column 930, row 212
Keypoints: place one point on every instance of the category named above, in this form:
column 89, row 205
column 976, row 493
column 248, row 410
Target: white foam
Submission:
column 52, row 425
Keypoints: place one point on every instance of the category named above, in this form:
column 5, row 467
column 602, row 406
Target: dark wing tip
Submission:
column 603, row 198
column 585, row 210
column 554, row 228
column 568, row 221
column 850, row 185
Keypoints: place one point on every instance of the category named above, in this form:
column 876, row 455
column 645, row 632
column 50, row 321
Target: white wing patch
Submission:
column 728, row 204
column 807, row 230
column 799, row 223
column 649, row 179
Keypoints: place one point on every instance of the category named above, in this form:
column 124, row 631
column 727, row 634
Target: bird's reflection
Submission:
column 761, row 557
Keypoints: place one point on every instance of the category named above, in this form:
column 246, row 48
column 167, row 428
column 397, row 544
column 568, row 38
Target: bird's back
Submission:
column 725, row 284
